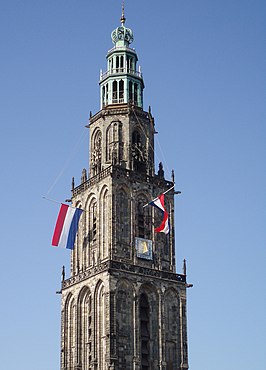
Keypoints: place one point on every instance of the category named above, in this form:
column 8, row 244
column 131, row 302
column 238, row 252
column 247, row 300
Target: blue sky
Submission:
column 204, row 70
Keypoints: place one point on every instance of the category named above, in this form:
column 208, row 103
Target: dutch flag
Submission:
column 165, row 225
column 66, row 227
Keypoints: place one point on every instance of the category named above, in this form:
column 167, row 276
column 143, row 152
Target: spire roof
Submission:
column 122, row 36
column 123, row 19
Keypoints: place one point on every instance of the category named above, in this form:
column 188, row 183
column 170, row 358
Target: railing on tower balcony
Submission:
column 114, row 71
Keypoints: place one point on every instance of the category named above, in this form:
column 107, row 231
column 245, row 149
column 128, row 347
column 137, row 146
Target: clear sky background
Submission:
column 204, row 70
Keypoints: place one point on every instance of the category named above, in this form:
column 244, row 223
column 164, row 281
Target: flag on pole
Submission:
column 66, row 227
column 165, row 225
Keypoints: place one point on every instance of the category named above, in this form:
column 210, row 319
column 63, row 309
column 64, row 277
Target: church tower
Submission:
column 124, row 305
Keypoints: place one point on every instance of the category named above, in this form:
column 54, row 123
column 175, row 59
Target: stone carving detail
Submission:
column 84, row 176
column 161, row 171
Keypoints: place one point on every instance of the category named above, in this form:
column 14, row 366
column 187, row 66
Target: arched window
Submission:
column 114, row 91
column 130, row 91
column 69, row 333
column 123, row 217
column 106, row 94
column 135, row 93
column 144, row 318
column 100, row 326
column 109, row 141
column 113, row 133
column 103, row 96
column 96, row 155
column 94, row 221
column 85, row 328
column 130, row 65
column 92, row 235
column 104, row 224
column 121, row 91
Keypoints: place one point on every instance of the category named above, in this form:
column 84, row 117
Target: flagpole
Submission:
column 51, row 200
column 56, row 201
column 158, row 197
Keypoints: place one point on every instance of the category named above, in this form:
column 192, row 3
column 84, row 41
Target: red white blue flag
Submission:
column 66, row 227
column 165, row 225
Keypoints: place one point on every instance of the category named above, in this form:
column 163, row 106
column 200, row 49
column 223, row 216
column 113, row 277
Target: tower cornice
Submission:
column 130, row 175
column 117, row 266
column 116, row 109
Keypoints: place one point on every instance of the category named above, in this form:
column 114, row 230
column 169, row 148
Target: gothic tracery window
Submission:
column 114, row 145
column 100, row 326
column 92, row 224
column 69, row 335
column 85, row 334
column 104, row 224
column 96, row 160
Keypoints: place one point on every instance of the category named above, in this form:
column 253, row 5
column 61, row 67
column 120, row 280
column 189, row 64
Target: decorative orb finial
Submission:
column 123, row 19
column 122, row 36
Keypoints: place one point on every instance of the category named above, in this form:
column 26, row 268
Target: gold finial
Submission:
column 123, row 19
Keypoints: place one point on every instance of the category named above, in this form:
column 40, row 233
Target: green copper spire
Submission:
column 122, row 83
column 122, row 36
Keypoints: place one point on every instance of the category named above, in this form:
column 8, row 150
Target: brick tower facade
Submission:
column 124, row 305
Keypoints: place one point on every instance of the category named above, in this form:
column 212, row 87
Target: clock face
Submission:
column 144, row 248
column 138, row 152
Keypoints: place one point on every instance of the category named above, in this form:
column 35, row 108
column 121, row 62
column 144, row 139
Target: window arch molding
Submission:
column 69, row 330
column 113, row 141
column 100, row 327
column 123, row 217
column 95, row 134
column 84, row 325
column 148, row 325
column 92, row 211
column 96, row 152
column 104, row 216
